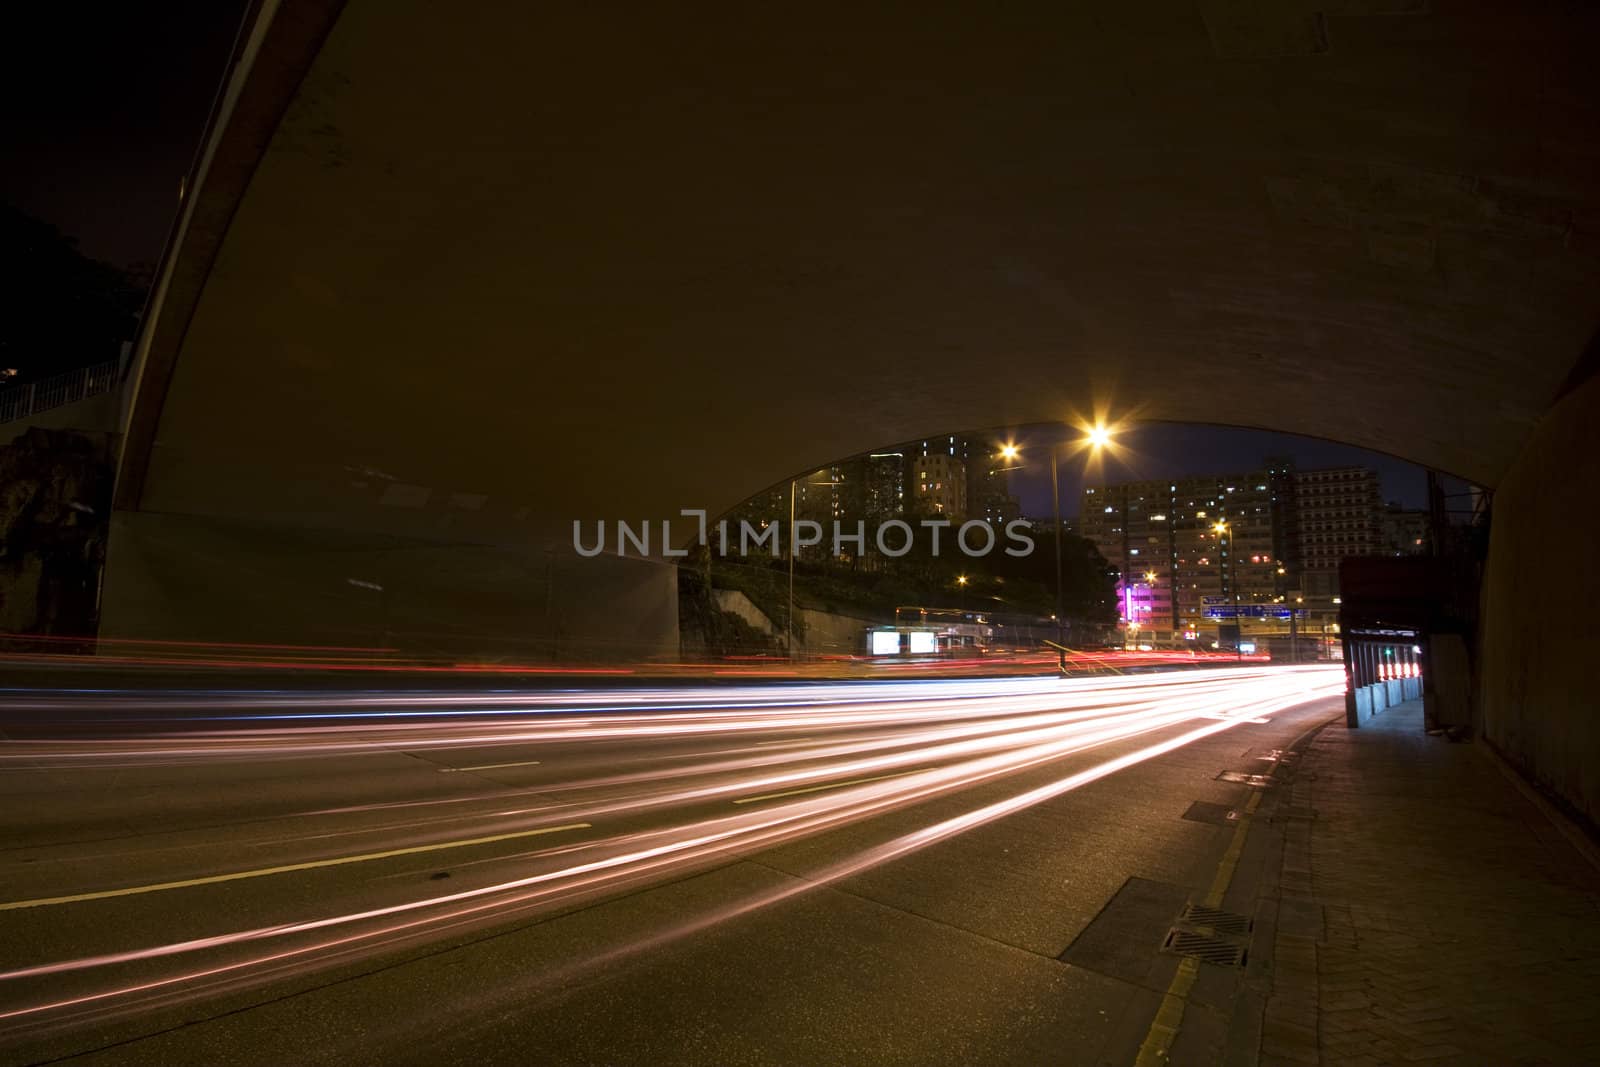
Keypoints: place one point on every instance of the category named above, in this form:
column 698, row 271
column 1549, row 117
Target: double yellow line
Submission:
column 1169, row 1017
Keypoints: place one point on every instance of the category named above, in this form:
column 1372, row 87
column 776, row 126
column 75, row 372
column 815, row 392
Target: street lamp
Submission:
column 1221, row 528
column 1150, row 583
column 1011, row 451
column 1096, row 437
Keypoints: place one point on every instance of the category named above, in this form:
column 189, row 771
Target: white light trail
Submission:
column 868, row 750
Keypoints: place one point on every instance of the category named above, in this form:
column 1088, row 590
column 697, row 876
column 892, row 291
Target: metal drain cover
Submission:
column 1218, row 814
column 1204, row 947
column 1223, row 922
column 1257, row 780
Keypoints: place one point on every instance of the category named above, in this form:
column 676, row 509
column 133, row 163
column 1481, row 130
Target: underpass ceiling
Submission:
column 548, row 264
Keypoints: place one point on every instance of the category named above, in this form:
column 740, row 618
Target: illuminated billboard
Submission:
column 886, row 642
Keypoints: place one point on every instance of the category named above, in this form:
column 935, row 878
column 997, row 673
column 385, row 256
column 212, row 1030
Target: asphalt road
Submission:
column 972, row 871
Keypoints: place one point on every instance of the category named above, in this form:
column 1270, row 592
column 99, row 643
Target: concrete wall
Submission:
column 95, row 414
column 827, row 633
column 1539, row 691
column 1377, row 697
column 1448, row 702
column 204, row 579
column 732, row 600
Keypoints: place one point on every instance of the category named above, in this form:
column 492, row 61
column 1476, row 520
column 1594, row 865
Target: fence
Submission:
column 21, row 401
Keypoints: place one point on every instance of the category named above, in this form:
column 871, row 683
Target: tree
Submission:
column 65, row 310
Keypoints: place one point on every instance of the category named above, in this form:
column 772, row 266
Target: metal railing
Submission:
column 21, row 401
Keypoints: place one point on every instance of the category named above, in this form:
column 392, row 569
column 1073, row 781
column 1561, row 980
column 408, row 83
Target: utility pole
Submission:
column 788, row 641
column 1122, row 567
column 1233, row 582
column 1055, row 497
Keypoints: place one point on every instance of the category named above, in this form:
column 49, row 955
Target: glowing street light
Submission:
column 1098, row 436
column 961, row 579
column 1220, row 527
column 1009, row 451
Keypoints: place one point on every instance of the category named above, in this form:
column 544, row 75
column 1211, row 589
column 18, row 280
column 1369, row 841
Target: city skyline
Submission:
column 1180, row 450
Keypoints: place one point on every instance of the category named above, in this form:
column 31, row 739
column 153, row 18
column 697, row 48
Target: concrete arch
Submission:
column 630, row 228
column 452, row 278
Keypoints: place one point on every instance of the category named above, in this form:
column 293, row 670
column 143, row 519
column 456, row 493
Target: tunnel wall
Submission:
column 193, row 578
column 1539, row 692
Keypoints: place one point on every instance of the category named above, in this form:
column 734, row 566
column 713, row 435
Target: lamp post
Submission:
column 1010, row 451
column 788, row 618
column 1096, row 437
column 1055, row 500
column 1150, row 584
column 1294, row 625
column 1221, row 529
column 788, row 638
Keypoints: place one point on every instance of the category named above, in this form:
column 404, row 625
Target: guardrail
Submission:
column 21, row 401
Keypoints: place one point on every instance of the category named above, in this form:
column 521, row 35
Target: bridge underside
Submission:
column 451, row 281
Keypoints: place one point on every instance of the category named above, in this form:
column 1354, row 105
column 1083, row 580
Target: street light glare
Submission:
column 1009, row 451
column 1099, row 436
column 961, row 579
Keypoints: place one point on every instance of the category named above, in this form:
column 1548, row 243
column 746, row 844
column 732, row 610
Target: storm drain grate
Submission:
column 1204, row 947
column 1223, row 922
column 1258, row 780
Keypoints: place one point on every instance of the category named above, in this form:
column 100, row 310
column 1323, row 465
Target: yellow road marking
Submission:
column 286, row 868
column 491, row 766
column 1164, row 1027
column 818, row 788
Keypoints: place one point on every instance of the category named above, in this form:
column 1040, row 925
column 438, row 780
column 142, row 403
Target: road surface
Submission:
column 941, row 871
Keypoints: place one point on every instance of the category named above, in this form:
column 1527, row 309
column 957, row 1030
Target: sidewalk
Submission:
column 1429, row 913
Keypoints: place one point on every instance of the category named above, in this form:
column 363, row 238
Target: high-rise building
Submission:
column 1196, row 551
column 939, row 481
column 1339, row 511
column 949, row 476
column 883, row 480
column 989, row 487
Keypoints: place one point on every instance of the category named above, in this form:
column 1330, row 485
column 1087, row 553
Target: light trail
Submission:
column 869, row 749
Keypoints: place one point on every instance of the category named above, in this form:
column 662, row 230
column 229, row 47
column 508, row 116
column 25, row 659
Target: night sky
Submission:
column 104, row 107
column 1166, row 450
